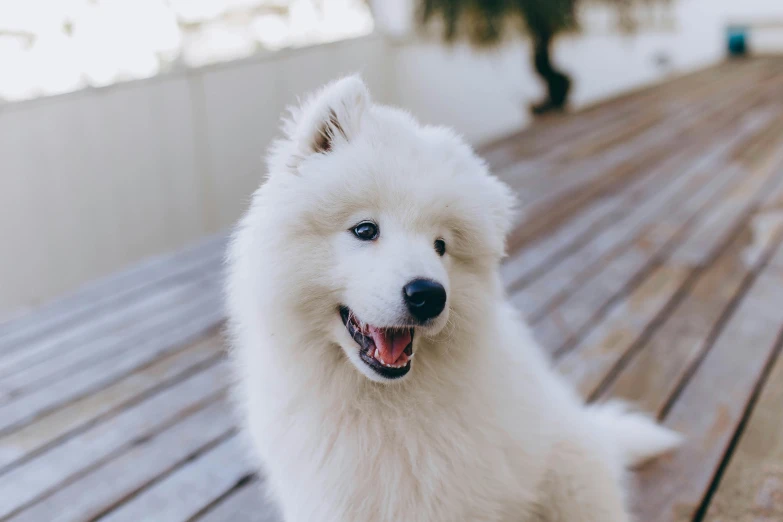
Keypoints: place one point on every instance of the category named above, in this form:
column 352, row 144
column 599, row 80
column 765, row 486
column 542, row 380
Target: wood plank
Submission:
column 624, row 131
column 104, row 487
column 58, row 356
column 190, row 489
column 699, row 245
column 246, row 504
column 534, row 259
column 546, row 181
column 650, row 372
column 589, row 302
column 545, row 252
column 48, row 471
column 712, row 404
column 123, row 314
column 589, row 362
column 21, row 445
column 185, row 326
column 551, row 181
column 549, row 133
column 106, row 292
column 544, row 293
column 656, row 363
column 694, row 169
column 619, row 265
column 751, row 489
column 556, row 211
column 558, row 176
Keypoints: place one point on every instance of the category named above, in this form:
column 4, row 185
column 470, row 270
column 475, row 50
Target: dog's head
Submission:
column 376, row 232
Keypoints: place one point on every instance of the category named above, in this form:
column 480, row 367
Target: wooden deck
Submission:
column 650, row 266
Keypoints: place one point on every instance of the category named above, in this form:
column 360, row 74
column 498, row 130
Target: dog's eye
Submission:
column 366, row 231
column 440, row 247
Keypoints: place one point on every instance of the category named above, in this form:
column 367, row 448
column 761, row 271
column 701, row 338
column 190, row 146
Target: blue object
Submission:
column 737, row 40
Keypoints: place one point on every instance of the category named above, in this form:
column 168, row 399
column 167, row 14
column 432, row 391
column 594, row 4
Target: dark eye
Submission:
column 366, row 231
column 440, row 247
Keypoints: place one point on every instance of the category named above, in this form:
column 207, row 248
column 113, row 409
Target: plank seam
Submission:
column 248, row 480
column 204, row 331
column 109, row 414
column 737, row 436
column 110, row 456
column 162, row 476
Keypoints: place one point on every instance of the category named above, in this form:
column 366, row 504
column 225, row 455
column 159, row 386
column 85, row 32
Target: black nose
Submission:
column 425, row 299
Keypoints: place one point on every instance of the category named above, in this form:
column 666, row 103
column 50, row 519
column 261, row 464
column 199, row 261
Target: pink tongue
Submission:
column 390, row 343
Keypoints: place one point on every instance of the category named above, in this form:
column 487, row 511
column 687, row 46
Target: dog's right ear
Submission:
column 326, row 120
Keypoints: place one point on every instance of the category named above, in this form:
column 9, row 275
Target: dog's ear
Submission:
column 327, row 119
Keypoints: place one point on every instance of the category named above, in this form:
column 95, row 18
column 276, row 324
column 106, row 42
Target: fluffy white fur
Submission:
column 481, row 428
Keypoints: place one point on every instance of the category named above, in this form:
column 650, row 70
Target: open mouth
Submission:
column 388, row 351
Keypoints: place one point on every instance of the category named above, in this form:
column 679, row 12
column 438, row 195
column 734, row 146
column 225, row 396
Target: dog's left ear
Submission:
column 328, row 119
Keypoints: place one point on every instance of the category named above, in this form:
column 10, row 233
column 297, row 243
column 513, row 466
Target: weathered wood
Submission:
column 556, row 132
column 99, row 490
column 35, row 437
column 752, row 487
column 566, row 322
column 544, row 251
column 712, row 404
column 190, row 489
column 106, row 292
column 536, row 257
column 589, row 362
column 588, row 302
column 658, row 367
column 41, row 475
column 133, row 354
column 590, row 226
column 124, row 316
column 627, row 222
column 661, row 363
column 247, row 504
column 553, row 287
column 62, row 356
column 557, row 210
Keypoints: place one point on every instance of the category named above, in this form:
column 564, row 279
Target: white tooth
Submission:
column 411, row 356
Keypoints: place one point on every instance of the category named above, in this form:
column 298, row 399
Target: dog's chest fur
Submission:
column 377, row 462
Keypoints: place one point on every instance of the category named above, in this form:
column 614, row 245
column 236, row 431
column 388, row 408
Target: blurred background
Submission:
column 133, row 127
column 644, row 139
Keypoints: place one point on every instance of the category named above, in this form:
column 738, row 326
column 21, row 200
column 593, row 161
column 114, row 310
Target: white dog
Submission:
column 374, row 240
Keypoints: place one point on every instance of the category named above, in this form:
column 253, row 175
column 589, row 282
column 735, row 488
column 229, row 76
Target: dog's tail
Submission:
column 637, row 436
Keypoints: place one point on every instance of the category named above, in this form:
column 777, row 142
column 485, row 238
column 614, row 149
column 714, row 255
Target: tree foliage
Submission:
column 486, row 22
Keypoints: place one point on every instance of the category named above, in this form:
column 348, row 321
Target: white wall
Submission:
column 95, row 180
column 485, row 95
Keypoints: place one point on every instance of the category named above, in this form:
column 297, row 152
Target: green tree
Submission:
column 487, row 22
